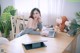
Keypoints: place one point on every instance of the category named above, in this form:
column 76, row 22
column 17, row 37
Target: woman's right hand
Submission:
column 44, row 34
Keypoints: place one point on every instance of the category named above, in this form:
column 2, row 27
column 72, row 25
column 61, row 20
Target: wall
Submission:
column 70, row 8
column 5, row 3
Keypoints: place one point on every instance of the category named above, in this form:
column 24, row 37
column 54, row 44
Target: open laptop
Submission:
column 50, row 31
column 52, row 34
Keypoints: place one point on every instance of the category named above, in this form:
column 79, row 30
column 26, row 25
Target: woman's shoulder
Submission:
column 30, row 19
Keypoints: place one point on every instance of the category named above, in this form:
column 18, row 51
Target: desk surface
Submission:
column 54, row 45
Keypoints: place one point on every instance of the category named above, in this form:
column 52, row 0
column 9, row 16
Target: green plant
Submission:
column 75, row 25
column 10, row 9
column 1, row 28
column 5, row 23
column 12, row 12
column 78, row 14
column 78, row 18
column 76, row 22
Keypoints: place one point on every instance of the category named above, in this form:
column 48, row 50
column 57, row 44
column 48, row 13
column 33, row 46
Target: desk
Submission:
column 54, row 45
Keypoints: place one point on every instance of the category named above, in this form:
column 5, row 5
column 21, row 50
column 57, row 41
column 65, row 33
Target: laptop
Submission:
column 50, row 31
column 52, row 34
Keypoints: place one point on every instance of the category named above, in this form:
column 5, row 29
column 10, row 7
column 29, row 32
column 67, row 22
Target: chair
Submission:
column 18, row 23
column 13, row 25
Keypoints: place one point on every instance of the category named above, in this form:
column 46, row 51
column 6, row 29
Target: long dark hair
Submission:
column 31, row 14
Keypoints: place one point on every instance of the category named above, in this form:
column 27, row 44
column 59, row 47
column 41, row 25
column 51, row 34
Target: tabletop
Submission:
column 54, row 45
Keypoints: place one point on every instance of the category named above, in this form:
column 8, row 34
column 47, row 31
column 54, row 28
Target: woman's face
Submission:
column 36, row 14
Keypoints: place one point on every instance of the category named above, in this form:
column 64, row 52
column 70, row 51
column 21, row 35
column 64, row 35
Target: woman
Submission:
column 34, row 23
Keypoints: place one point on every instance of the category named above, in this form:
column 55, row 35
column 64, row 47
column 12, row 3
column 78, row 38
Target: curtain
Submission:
column 50, row 9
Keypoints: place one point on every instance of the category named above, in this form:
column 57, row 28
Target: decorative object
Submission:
column 67, row 23
column 58, row 20
column 61, row 23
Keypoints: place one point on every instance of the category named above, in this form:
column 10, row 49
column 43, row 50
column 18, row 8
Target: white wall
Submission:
column 70, row 8
column 5, row 3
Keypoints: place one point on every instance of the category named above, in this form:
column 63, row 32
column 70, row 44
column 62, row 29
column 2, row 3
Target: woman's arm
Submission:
column 39, row 26
column 30, row 22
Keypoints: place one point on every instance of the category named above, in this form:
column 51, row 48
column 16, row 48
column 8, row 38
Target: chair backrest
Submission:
column 18, row 23
column 13, row 24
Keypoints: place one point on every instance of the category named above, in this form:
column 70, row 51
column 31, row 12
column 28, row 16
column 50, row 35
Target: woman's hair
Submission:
column 32, row 12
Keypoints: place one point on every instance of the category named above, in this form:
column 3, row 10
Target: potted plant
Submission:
column 75, row 25
column 5, row 22
column 78, row 20
column 78, row 17
column 10, row 9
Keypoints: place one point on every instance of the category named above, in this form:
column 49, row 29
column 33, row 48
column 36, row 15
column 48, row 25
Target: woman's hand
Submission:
column 44, row 33
column 39, row 19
